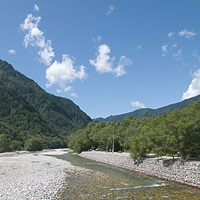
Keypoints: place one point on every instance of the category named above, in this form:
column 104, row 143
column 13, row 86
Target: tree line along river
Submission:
column 101, row 181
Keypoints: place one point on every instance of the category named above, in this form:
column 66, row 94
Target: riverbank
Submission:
column 26, row 175
column 187, row 172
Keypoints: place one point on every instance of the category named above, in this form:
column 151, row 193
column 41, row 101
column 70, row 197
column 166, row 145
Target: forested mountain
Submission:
column 151, row 112
column 31, row 118
column 17, row 112
column 60, row 112
column 19, row 122
column 173, row 133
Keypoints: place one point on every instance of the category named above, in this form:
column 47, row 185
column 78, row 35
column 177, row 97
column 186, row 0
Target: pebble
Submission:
column 32, row 176
column 176, row 171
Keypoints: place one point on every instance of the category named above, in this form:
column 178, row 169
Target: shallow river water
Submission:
column 103, row 181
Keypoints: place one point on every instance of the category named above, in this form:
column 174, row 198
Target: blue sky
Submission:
column 108, row 56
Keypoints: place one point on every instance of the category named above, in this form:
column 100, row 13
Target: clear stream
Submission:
column 107, row 182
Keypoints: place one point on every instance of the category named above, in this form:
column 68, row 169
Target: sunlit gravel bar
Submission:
column 185, row 172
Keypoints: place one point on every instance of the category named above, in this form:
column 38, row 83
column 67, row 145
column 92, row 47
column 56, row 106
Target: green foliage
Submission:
column 172, row 132
column 59, row 112
column 5, row 143
column 80, row 141
column 17, row 112
column 27, row 111
column 34, row 144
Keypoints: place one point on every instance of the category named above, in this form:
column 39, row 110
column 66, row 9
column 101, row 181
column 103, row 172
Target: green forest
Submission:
column 20, row 124
column 31, row 118
column 171, row 133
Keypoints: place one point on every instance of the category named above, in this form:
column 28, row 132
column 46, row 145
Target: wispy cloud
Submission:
column 174, row 45
column 58, row 73
column 137, row 104
column 74, row 95
column 171, row 34
column 187, row 34
column 12, row 51
column 196, row 55
column 164, row 49
column 194, row 87
column 35, row 37
column 111, row 10
column 98, row 39
column 36, row 8
column 139, row 47
column 104, row 63
column 177, row 55
column 120, row 69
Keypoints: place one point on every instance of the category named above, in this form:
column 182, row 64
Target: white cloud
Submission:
column 98, row 39
column 12, row 51
column 194, row 87
column 64, row 73
column 164, row 48
column 178, row 54
column 36, row 8
column 104, row 63
column 137, row 104
column 111, row 9
column 68, row 88
column 74, row 95
column 139, row 47
column 196, row 55
column 170, row 34
column 46, row 53
column 35, row 38
column 186, row 34
column 57, row 73
column 174, row 45
column 58, row 91
column 120, row 69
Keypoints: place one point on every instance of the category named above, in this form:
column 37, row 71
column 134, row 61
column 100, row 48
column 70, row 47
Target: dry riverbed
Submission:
column 187, row 172
column 26, row 175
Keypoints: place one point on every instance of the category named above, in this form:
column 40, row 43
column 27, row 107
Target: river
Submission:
column 102, row 181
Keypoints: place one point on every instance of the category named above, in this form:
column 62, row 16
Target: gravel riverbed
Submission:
column 25, row 175
column 187, row 172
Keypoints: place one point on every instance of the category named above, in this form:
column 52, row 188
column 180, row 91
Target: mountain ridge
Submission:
column 151, row 112
column 61, row 113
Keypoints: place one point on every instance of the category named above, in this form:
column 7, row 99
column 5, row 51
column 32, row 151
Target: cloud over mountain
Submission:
column 58, row 73
column 62, row 73
column 12, row 51
column 194, row 87
column 137, row 104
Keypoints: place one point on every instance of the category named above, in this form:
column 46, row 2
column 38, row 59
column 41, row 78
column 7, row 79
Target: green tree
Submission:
column 34, row 144
column 5, row 143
